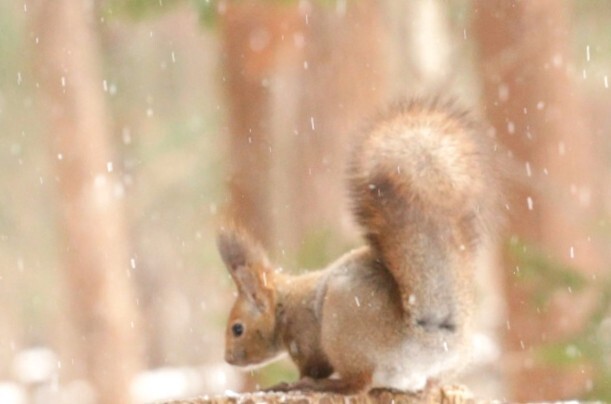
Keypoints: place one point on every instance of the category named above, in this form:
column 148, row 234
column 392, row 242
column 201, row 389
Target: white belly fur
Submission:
column 409, row 367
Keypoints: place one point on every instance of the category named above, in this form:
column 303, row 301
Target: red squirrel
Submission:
column 396, row 312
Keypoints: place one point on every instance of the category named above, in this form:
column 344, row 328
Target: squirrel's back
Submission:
column 423, row 190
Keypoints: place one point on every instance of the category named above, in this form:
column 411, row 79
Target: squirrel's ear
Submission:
column 248, row 266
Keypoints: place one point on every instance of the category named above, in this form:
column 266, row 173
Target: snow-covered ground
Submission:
column 36, row 380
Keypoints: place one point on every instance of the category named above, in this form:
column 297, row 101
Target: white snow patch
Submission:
column 485, row 350
column 12, row 393
column 35, row 365
column 171, row 383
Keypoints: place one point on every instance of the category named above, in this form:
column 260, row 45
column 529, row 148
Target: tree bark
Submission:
column 422, row 46
column 251, row 34
column 531, row 99
column 97, row 265
column 344, row 81
column 341, row 63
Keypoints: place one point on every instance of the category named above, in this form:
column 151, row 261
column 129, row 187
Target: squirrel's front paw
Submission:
column 456, row 394
column 280, row 387
column 305, row 383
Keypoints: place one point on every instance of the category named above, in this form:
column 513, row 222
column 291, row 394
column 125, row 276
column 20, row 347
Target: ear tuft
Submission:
column 231, row 248
column 248, row 266
column 238, row 249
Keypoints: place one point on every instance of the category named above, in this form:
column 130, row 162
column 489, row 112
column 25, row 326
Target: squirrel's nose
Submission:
column 234, row 357
column 229, row 358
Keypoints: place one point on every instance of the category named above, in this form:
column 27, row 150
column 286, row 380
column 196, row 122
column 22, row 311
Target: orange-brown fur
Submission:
column 396, row 312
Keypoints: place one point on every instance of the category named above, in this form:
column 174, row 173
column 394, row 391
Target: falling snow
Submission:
column 511, row 127
column 503, row 92
column 528, row 169
column 150, row 153
column 588, row 53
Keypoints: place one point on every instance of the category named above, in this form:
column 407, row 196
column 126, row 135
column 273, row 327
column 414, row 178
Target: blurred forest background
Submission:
column 127, row 126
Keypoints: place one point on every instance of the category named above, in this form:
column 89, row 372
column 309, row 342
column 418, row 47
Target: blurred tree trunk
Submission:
column 422, row 45
column 10, row 322
column 344, row 81
column 96, row 257
column 341, row 61
column 252, row 33
column 531, row 100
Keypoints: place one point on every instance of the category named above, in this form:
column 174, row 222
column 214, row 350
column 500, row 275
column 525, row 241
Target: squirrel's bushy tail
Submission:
column 421, row 186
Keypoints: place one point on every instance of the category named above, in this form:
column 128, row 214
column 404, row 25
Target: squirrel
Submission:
column 396, row 312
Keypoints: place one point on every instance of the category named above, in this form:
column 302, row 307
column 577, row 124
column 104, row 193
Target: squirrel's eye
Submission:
column 237, row 329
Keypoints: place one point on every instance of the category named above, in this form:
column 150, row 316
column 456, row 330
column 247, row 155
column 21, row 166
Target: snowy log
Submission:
column 454, row 394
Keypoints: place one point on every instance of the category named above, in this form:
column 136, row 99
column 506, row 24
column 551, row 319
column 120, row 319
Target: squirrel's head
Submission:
column 251, row 336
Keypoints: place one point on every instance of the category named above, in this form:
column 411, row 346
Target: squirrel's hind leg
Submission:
column 349, row 385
